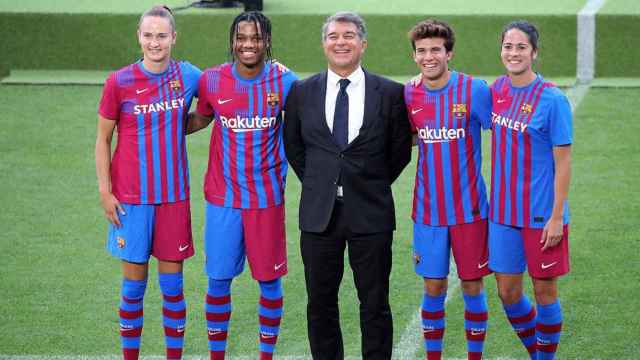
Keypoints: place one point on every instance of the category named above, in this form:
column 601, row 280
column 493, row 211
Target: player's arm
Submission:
column 552, row 233
column 110, row 204
column 197, row 122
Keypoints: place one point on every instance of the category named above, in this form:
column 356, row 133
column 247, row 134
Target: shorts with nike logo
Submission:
column 231, row 234
column 161, row 230
column 514, row 249
column 432, row 246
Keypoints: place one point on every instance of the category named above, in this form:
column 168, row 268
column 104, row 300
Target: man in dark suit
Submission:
column 347, row 138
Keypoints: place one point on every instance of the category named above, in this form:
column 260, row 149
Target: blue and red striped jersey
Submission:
column 527, row 123
column 247, row 165
column 449, row 188
column 149, row 165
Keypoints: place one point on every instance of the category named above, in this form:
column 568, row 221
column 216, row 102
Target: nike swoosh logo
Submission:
column 183, row 248
column 500, row 101
column 415, row 111
column 278, row 266
column 480, row 266
column 220, row 101
column 546, row 266
column 140, row 91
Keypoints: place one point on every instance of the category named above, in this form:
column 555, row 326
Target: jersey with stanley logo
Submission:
column 449, row 188
column 247, row 165
column 528, row 122
column 149, row 165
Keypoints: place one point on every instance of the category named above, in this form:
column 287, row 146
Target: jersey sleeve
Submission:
column 109, row 107
column 203, row 108
column 287, row 80
column 193, row 74
column 481, row 103
column 408, row 98
column 560, row 120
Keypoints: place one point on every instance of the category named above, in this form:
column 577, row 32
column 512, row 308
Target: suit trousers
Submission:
column 370, row 261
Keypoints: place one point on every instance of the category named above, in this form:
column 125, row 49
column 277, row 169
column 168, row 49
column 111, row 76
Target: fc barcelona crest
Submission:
column 459, row 110
column 273, row 99
column 526, row 108
column 175, row 85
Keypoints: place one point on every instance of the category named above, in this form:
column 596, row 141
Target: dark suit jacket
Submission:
column 367, row 166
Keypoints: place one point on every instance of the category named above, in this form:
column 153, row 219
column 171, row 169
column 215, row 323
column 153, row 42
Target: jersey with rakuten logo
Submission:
column 449, row 188
column 528, row 122
column 247, row 166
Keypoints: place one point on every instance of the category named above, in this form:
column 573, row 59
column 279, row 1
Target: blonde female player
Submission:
column 144, row 187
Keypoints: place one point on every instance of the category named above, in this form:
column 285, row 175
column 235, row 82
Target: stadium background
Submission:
column 60, row 288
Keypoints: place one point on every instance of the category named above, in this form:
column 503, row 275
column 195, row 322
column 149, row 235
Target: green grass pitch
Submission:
column 61, row 288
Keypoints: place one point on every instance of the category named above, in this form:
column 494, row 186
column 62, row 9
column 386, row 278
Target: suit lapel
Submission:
column 321, row 87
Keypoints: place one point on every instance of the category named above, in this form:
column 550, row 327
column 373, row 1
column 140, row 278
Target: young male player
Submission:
column 447, row 110
column 144, row 188
column 245, row 180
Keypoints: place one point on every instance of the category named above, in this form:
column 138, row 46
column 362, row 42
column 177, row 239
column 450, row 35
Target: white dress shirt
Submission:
column 355, row 91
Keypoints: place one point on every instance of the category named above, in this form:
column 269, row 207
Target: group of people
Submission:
column 348, row 135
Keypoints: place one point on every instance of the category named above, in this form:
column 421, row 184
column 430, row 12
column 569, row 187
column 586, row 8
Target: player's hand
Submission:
column 112, row 208
column 280, row 66
column 416, row 80
column 552, row 233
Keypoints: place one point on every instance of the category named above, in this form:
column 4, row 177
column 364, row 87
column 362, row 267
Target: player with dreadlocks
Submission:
column 245, row 179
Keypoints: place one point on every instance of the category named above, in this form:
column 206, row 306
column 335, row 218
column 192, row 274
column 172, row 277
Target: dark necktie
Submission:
column 341, row 116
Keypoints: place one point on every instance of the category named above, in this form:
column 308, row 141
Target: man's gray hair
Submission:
column 346, row 17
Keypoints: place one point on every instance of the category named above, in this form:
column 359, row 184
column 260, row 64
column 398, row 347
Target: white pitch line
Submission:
column 586, row 42
column 412, row 339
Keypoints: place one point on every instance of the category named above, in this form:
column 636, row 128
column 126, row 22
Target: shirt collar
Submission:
column 354, row 78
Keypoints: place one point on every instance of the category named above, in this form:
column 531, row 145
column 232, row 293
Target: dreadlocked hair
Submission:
column 263, row 25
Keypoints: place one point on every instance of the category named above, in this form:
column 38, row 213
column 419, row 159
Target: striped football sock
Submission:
column 475, row 324
column 433, row 325
column 173, row 313
column 131, row 317
column 548, row 329
column 218, row 313
column 522, row 317
column 270, row 313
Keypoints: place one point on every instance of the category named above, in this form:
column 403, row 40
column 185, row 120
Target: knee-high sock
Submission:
column 433, row 324
column 548, row 329
column 270, row 313
column 173, row 313
column 131, row 317
column 475, row 324
column 522, row 317
column 218, row 313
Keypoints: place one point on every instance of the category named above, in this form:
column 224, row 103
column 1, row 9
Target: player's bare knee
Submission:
column 472, row 287
column 435, row 287
column 545, row 290
column 509, row 293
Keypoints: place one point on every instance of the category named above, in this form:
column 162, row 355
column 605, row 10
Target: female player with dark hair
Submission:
column 144, row 187
column 531, row 170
